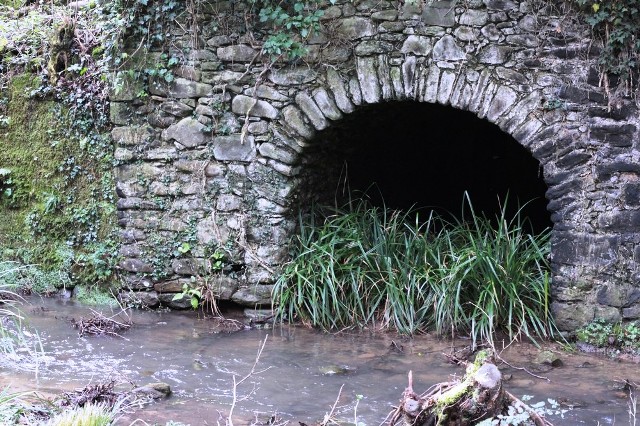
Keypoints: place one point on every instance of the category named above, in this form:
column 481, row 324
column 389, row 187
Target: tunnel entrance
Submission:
column 425, row 156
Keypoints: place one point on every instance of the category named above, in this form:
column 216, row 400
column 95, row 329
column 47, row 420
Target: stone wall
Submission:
column 220, row 158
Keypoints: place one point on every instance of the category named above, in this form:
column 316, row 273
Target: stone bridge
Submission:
column 224, row 156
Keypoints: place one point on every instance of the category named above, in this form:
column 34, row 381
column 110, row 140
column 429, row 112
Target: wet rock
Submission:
column 147, row 299
column 167, row 299
column 330, row 370
column 154, row 390
column 549, row 358
column 571, row 403
column 254, row 296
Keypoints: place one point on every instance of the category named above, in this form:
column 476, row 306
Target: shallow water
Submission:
column 199, row 362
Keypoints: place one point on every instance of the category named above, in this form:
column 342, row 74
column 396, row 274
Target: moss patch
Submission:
column 29, row 150
column 60, row 211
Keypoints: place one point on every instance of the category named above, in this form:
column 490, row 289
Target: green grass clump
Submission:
column 11, row 406
column 370, row 266
column 87, row 415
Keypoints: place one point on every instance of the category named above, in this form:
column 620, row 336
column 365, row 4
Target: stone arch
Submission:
column 220, row 148
column 334, row 95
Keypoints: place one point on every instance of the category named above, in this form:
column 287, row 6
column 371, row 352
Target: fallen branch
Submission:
column 98, row 324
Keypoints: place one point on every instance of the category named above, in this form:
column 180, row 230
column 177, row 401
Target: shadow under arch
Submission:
column 408, row 154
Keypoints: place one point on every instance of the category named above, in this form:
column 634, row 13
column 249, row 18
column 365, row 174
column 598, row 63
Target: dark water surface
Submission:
column 199, row 362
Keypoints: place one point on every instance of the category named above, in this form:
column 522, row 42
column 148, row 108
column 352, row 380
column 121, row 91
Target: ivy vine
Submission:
column 617, row 22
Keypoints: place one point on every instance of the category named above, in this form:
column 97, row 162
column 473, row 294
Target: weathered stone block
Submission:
column 309, row 107
column 237, row 53
column 620, row 221
column 417, row 45
column 269, row 150
column 577, row 95
column 570, row 316
column 256, row 295
column 326, row 104
column 167, row 299
column 188, row 266
column 474, row 17
column 121, row 113
column 366, row 48
column 495, row 55
column 608, row 314
column 501, row 5
column 223, row 77
column 356, row 27
column 180, row 88
column 632, row 194
column 368, row 79
column 446, row 49
column 176, row 108
column 188, row 132
column 618, row 295
column 614, row 134
column 147, row 299
column 385, row 15
column 440, row 13
column 244, row 105
column 431, row 84
column 584, row 249
column 136, row 265
column 267, row 92
column 228, row 202
column 336, row 84
column 233, row 148
column 632, row 312
column 223, row 287
column 294, row 119
column 292, row 76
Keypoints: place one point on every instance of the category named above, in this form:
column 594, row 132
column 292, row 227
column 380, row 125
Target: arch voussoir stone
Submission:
column 233, row 153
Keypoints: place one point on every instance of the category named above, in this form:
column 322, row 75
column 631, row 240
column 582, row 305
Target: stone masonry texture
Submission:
column 219, row 158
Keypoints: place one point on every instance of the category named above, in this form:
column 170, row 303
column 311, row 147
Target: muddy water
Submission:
column 294, row 374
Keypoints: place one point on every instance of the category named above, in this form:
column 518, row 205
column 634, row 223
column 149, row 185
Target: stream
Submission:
column 298, row 375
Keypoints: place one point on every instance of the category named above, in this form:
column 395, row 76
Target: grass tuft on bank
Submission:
column 374, row 267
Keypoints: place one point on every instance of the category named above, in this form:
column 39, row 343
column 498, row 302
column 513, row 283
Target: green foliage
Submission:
column 292, row 23
column 375, row 267
column 601, row 333
column 6, row 186
column 193, row 293
column 617, row 22
column 93, row 295
column 60, row 193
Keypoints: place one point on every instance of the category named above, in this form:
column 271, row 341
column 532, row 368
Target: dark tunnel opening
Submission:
column 426, row 156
